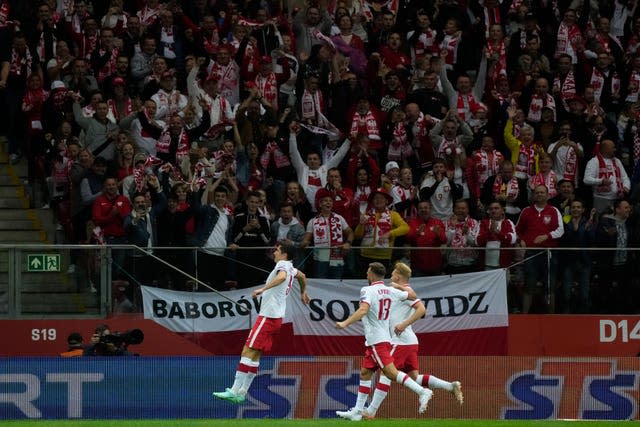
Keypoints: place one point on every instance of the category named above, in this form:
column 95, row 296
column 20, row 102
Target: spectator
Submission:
column 506, row 188
column 212, row 234
column 426, row 231
column 439, row 188
column 461, row 231
column 607, row 176
column 108, row 212
column 579, row 232
column 287, row 230
column 330, row 235
column 481, row 165
column 312, row 175
column 378, row 229
column 250, row 230
column 614, row 293
column 495, row 232
column 540, row 227
column 141, row 227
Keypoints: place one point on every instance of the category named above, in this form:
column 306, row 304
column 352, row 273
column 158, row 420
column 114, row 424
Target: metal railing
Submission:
column 62, row 281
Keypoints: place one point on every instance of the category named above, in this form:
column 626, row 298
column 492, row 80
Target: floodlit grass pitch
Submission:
column 304, row 423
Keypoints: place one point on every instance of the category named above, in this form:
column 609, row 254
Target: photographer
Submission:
column 104, row 343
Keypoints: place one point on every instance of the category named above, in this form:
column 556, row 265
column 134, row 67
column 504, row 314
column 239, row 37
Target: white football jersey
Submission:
column 274, row 300
column 380, row 299
column 401, row 310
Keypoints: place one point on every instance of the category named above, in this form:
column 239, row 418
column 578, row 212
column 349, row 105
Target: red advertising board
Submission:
column 527, row 335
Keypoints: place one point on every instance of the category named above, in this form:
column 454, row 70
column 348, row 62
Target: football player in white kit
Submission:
column 376, row 301
column 405, row 345
column 274, row 302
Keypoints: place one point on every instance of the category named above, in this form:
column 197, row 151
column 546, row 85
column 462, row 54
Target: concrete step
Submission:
column 9, row 214
column 13, row 203
column 72, row 303
column 11, row 191
column 23, row 236
column 18, row 224
column 9, row 180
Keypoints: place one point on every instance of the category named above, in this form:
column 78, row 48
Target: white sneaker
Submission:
column 457, row 391
column 71, row 269
column 352, row 414
column 425, row 397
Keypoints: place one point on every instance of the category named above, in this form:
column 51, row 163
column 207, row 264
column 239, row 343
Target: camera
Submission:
column 123, row 339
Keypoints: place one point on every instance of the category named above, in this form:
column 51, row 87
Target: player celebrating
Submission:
column 405, row 345
column 375, row 307
column 274, row 297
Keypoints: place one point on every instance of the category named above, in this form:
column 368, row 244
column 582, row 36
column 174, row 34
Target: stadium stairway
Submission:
column 20, row 221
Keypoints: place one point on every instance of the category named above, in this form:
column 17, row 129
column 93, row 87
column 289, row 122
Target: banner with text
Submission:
column 454, row 303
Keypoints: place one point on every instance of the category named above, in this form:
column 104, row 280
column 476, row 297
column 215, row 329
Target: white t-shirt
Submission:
column 274, row 300
column 401, row 310
column 380, row 299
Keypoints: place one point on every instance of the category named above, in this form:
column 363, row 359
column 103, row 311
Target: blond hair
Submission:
column 403, row 269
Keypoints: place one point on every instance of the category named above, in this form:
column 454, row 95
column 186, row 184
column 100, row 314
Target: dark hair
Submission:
column 378, row 269
column 287, row 204
column 287, row 249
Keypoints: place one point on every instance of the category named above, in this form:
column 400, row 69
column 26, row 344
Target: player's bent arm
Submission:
column 357, row 315
column 302, row 281
column 279, row 279
column 419, row 310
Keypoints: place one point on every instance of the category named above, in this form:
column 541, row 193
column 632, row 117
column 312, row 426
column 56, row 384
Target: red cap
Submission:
column 117, row 81
column 167, row 75
column 266, row 58
column 383, row 192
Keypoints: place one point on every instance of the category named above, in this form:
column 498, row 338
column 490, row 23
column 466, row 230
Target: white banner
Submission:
column 457, row 302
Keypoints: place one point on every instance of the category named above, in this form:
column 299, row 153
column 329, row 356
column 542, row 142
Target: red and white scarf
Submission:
column 117, row 114
column 549, row 180
column 486, row 164
column 567, row 88
column 110, row 66
column 459, row 239
column 405, row 194
column 500, row 67
column 538, row 102
column 597, row 83
column 328, row 232
column 633, row 86
column 466, row 104
column 272, row 150
column 164, row 143
column 4, row 14
column 606, row 171
column 18, row 62
column 526, row 165
column 491, row 17
column 568, row 41
column 268, row 88
column 312, row 105
column 570, row 166
column 399, row 148
column 365, row 124
column 376, row 233
column 148, row 16
column 426, row 43
column 449, row 148
column 509, row 189
column 450, row 44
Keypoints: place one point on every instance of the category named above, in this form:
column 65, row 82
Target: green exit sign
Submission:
column 43, row 262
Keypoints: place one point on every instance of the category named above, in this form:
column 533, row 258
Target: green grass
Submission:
column 303, row 423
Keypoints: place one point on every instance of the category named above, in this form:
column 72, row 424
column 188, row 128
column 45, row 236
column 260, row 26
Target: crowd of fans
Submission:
column 462, row 127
